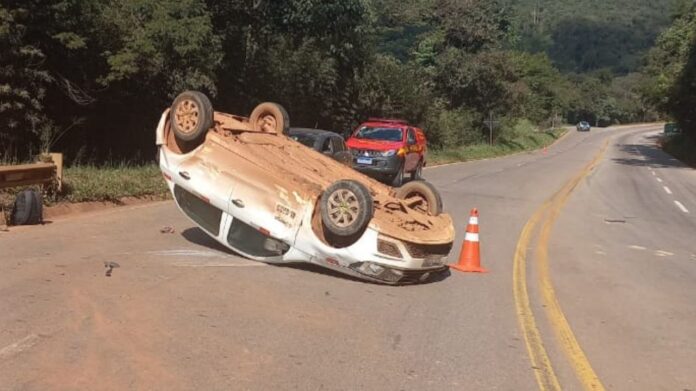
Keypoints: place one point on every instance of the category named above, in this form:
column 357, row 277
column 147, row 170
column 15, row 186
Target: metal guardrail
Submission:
column 33, row 174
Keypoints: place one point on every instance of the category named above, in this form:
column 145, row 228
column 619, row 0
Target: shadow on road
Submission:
column 310, row 267
column 197, row 236
column 647, row 155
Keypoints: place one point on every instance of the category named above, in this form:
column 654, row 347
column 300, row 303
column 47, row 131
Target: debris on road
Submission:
column 167, row 230
column 110, row 266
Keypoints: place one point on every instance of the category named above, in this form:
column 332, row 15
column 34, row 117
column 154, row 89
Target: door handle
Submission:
column 185, row 175
column 238, row 203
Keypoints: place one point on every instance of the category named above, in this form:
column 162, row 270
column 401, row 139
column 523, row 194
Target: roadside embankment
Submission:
column 682, row 147
column 525, row 141
column 99, row 186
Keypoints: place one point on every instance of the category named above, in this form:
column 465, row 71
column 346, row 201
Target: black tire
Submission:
column 398, row 178
column 270, row 117
column 28, row 208
column 418, row 172
column 431, row 201
column 191, row 116
column 346, row 208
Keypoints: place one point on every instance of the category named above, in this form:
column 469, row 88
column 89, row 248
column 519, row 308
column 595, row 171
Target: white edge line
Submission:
column 681, row 206
column 667, row 189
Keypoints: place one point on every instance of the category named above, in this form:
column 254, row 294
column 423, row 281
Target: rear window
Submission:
column 305, row 139
column 376, row 133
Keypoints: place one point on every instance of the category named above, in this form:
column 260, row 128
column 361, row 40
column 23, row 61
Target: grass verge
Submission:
column 111, row 183
column 526, row 141
column 682, row 147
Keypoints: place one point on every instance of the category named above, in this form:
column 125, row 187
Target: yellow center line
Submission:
column 544, row 373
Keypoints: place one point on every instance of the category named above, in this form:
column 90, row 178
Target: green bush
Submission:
column 681, row 146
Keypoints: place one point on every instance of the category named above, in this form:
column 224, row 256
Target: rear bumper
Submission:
column 381, row 166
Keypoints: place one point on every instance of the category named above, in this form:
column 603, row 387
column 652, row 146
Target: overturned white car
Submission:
column 274, row 200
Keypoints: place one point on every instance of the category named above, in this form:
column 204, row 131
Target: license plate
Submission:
column 364, row 160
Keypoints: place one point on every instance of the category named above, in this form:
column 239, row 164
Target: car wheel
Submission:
column 28, row 208
column 270, row 118
column 398, row 179
column 191, row 116
column 421, row 196
column 346, row 208
column 418, row 172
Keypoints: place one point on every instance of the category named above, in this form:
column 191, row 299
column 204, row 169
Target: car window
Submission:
column 338, row 144
column 411, row 136
column 326, row 146
column 249, row 240
column 377, row 133
column 306, row 139
column 204, row 214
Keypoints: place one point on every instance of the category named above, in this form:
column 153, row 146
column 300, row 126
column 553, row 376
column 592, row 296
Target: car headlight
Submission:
column 388, row 153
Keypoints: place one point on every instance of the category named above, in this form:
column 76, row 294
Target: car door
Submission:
column 412, row 155
column 265, row 214
column 201, row 190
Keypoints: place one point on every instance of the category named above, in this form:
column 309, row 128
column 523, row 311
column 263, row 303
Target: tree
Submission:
column 23, row 84
column 672, row 71
column 472, row 25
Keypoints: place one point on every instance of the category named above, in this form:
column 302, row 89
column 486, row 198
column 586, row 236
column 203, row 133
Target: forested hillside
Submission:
column 671, row 86
column 586, row 35
column 91, row 77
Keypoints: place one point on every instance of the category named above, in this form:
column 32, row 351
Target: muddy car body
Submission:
column 274, row 200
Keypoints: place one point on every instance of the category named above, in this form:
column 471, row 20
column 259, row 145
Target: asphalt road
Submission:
column 613, row 250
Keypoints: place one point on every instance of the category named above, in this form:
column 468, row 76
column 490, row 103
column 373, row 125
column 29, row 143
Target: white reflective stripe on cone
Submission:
column 473, row 220
column 471, row 237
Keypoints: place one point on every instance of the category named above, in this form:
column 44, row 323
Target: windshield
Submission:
column 305, row 139
column 386, row 134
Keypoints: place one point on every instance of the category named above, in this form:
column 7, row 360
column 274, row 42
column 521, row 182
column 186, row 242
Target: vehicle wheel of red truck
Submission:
column 191, row 116
column 346, row 208
column 270, row 118
column 418, row 172
column 398, row 177
column 421, row 196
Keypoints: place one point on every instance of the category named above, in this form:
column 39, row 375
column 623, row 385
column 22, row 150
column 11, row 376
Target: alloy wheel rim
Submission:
column 187, row 116
column 343, row 208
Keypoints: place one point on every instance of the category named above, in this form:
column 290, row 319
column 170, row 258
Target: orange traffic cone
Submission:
column 470, row 257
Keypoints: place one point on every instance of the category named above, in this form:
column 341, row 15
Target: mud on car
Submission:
column 274, row 200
